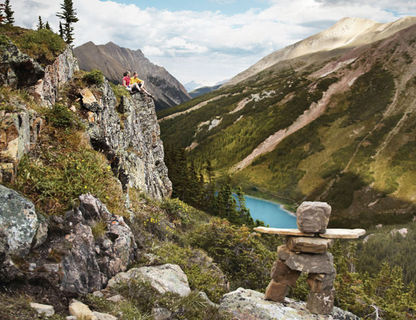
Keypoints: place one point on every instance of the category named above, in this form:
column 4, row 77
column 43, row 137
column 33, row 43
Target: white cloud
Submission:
column 207, row 46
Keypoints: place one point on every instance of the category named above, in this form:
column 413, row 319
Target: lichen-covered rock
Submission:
column 129, row 135
column 18, row 222
column 245, row 304
column 43, row 309
column 61, row 71
column 17, row 69
column 313, row 216
column 164, row 278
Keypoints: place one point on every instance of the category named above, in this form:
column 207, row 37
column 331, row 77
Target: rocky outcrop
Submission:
column 83, row 250
column 17, row 69
column 164, row 278
column 61, row 71
column 113, row 61
column 19, row 131
column 245, row 304
column 129, row 135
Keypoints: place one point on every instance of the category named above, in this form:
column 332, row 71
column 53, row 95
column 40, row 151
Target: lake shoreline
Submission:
column 274, row 202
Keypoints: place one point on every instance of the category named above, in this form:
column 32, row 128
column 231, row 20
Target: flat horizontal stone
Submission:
column 329, row 234
column 308, row 244
column 343, row 233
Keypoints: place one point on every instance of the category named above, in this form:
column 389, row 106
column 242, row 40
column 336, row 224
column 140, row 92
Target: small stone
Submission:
column 204, row 296
column 80, row 311
column 313, row 217
column 161, row 314
column 321, row 303
column 308, row 245
column 98, row 294
column 276, row 291
column 43, row 309
column 283, row 274
column 103, row 316
column 116, row 298
column 32, row 266
column 71, row 318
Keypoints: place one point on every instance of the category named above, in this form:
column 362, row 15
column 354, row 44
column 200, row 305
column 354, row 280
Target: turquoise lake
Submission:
column 271, row 213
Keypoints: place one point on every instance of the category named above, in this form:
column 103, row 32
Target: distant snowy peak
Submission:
column 347, row 32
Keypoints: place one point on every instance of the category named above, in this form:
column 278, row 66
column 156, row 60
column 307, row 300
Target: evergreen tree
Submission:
column 47, row 26
column 61, row 30
column 40, row 24
column 1, row 13
column 68, row 15
column 9, row 12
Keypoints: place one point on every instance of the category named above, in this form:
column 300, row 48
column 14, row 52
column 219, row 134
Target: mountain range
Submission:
column 329, row 118
column 114, row 60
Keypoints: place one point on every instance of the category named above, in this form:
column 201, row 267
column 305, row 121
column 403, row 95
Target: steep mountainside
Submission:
column 336, row 126
column 203, row 90
column 348, row 32
column 113, row 61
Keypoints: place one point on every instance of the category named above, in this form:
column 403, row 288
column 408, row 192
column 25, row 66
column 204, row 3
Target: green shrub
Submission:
column 202, row 275
column 94, row 77
column 244, row 258
column 61, row 117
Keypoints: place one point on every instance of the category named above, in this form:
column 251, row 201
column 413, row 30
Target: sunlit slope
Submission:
column 337, row 126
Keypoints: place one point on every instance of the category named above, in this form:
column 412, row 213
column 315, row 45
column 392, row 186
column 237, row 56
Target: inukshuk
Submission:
column 306, row 250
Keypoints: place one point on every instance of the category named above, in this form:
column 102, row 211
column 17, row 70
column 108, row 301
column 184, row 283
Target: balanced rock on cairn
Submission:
column 306, row 250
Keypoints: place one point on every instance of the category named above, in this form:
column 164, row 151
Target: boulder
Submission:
column 308, row 244
column 313, row 217
column 245, row 304
column 311, row 263
column 103, row 316
column 43, row 309
column 19, row 222
column 164, row 278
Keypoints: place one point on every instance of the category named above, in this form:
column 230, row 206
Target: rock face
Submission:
column 128, row 133
column 19, row 223
column 17, row 69
column 245, row 304
column 313, row 217
column 46, row 89
column 164, row 278
column 113, row 61
column 75, row 259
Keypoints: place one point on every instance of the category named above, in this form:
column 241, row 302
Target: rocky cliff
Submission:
column 113, row 61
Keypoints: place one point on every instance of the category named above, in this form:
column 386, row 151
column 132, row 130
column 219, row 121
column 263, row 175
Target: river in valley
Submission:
column 271, row 213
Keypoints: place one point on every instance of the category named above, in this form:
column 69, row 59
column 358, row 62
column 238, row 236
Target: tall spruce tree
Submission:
column 1, row 13
column 40, row 23
column 8, row 12
column 47, row 26
column 68, row 15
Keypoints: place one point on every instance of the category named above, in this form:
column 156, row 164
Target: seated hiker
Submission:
column 140, row 83
column 131, row 87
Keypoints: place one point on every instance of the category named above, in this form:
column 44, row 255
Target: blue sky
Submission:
column 206, row 41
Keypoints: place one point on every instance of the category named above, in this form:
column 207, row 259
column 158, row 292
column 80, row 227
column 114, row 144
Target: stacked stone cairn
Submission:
column 306, row 250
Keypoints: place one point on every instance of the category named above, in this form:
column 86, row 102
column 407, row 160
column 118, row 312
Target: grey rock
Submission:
column 16, row 68
column 130, row 141
column 321, row 302
column 116, row 298
column 311, row 263
column 46, row 90
column 164, row 278
column 313, row 217
column 245, row 304
column 43, row 309
column 98, row 294
column 204, row 297
column 161, row 314
column 80, row 310
column 18, row 222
